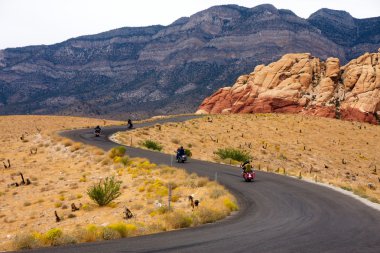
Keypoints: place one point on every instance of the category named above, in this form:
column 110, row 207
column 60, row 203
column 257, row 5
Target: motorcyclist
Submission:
column 97, row 131
column 130, row 125
column 180, row 152
column 246, row 166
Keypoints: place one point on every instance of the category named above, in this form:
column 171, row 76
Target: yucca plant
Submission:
column 105, row 191
column 235, row 154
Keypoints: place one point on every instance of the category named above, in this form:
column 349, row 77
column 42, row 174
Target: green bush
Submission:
column 118, row 151
column 105, row 191
column 235, row 154
column 152, row 145
column 188, row 152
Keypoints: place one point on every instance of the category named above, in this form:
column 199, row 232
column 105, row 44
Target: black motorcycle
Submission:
column 97, row 132
column 130, row 125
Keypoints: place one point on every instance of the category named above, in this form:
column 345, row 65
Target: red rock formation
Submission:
column 300, row 83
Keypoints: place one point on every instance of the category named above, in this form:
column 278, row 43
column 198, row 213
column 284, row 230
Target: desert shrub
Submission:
column 208, row 215
column 105, row 191
column 157, row 187
column 162, row 210
column 178, row 219
column 51, row 236
column 149, row 144
column 232, row 206
column 175, row 141
column 76, row 146
column 175, row 198
column 137, row 206
column 125, row 160
column 217, row 192
column 188, row 152
column 110, row 234
column 123, row 229
column 25, row 241
column 347, row 188
column 374, row 200
column 360, row 191
column 91, row 233
column 64, row 239
column 118, row 151
column 67, row 143
column 99, row 152
column 235, row 154
column 201, row 182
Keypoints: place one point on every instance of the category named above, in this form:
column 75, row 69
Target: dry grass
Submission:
column 342, row 153
column 61, row 172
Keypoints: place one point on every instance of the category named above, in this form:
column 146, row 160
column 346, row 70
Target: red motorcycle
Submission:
column 249, row 176
column 248, row 173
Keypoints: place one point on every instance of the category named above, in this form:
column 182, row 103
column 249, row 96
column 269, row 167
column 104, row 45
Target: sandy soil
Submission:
column 341, row 153
column 61, row 171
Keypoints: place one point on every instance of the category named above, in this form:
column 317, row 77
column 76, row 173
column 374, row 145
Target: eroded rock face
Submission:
column 154, row 70
column 301, row 83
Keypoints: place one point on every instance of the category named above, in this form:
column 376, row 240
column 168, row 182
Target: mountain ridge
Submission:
column 145, row 71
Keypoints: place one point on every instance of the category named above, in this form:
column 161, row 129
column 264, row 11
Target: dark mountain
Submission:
column 143, row 71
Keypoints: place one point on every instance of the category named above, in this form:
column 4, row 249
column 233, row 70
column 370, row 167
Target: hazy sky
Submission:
column 34, row 22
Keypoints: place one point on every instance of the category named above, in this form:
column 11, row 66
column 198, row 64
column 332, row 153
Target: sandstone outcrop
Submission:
column 301, row 83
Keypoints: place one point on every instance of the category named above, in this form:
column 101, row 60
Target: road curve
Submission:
column 277, row 214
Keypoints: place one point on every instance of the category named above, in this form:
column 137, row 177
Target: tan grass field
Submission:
column 342, row 153
column 61, row 171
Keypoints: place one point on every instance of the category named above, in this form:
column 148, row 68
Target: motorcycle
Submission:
column 248, row 175
column 130, row 125
column 181, row 159
column 97, row 133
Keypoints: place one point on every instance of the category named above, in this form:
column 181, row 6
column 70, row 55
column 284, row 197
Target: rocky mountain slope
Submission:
column 170, row 69
column 301, row 83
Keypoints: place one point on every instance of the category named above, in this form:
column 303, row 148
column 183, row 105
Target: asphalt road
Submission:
column 277, row 214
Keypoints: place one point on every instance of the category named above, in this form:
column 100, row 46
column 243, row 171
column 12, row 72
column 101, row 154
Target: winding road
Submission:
column 277, row 214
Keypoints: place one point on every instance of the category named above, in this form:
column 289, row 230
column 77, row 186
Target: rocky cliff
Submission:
column 152, row 70
column 301, row 83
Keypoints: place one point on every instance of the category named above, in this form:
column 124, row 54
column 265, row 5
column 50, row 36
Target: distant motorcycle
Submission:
column 97, row 132
column 181, row 159
column 130, row 125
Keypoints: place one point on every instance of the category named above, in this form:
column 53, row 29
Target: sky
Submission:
column 36, row 22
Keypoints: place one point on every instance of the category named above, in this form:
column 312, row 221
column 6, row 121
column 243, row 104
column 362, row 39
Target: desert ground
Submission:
column 341, row 153
column 61, row 171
